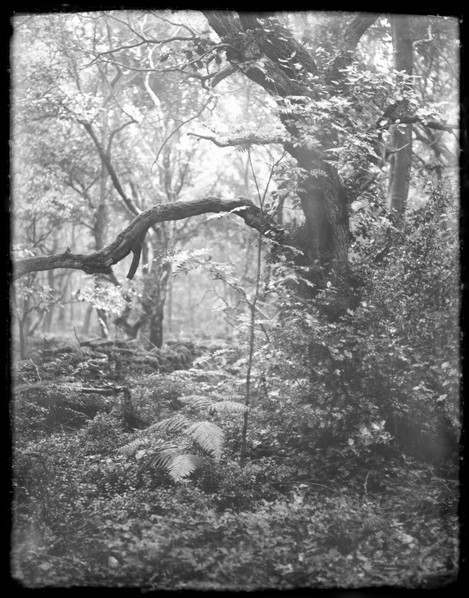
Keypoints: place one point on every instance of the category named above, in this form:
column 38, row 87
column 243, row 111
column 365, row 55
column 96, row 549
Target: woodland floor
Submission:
column 83, row 515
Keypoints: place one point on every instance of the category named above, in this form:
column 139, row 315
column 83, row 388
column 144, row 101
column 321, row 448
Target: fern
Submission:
column 183, row 465
column 196, row 401
column 178, row 464
column 224, row 406
column 173, row 459
column 131, row 448
column 208, row 436
column 176, row 423
column 228, row 407
column 202, row 360
column 163, row 458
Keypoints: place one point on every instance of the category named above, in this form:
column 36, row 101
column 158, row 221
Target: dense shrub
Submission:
column 387, row 370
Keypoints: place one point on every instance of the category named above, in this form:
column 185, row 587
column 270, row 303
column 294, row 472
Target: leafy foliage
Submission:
column 349, row 464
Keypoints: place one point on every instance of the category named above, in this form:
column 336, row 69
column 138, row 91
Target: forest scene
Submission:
column 235, row 300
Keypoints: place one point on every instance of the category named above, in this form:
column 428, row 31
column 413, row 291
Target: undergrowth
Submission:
column 88, row 511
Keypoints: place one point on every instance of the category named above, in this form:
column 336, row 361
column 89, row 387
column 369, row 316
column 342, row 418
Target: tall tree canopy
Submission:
column 340, row 89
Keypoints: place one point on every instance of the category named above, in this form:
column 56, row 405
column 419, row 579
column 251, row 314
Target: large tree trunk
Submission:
column 401, row 135
column 325, row 207
column 262, row 49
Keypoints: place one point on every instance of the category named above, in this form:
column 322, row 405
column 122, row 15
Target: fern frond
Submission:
column 176, row 423
column 131, row 448
column 201, row 360
column 228, row 407
column 208, row 436
column 197, row 401
column 224, row 406
column 182, row 466
column 163, row 458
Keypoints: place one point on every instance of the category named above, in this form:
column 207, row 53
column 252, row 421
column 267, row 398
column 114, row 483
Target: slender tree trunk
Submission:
column 22, row 326
column 401, row 135
column 47, row 322
column 252, row 338
column 87, row 319
column 189, row 305
column 156, row 285
column 169, row 310
column 99, row 230
column 63, row 294
column 156, row 326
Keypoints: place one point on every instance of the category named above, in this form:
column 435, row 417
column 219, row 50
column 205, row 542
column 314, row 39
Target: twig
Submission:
column 76, row 336
column 37, row 370
column 184, row 122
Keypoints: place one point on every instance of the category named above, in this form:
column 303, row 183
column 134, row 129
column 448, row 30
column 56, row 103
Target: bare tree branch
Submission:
column 110, row 168
column 101, row 261
column 223, row 74
column 181, row 124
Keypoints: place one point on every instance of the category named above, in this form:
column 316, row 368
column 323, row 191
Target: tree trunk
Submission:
column 401, row 135
column 47, row 322
column 87, row 319
column 22, row 327
column 169, row 302
column 156, row 326
column 323, row 199
column 153, row 302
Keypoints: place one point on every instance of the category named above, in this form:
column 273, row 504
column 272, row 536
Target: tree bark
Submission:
column 401, row 134
column 153, row 302
column 99, row 231
column 87, row 319
column 47, row 322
